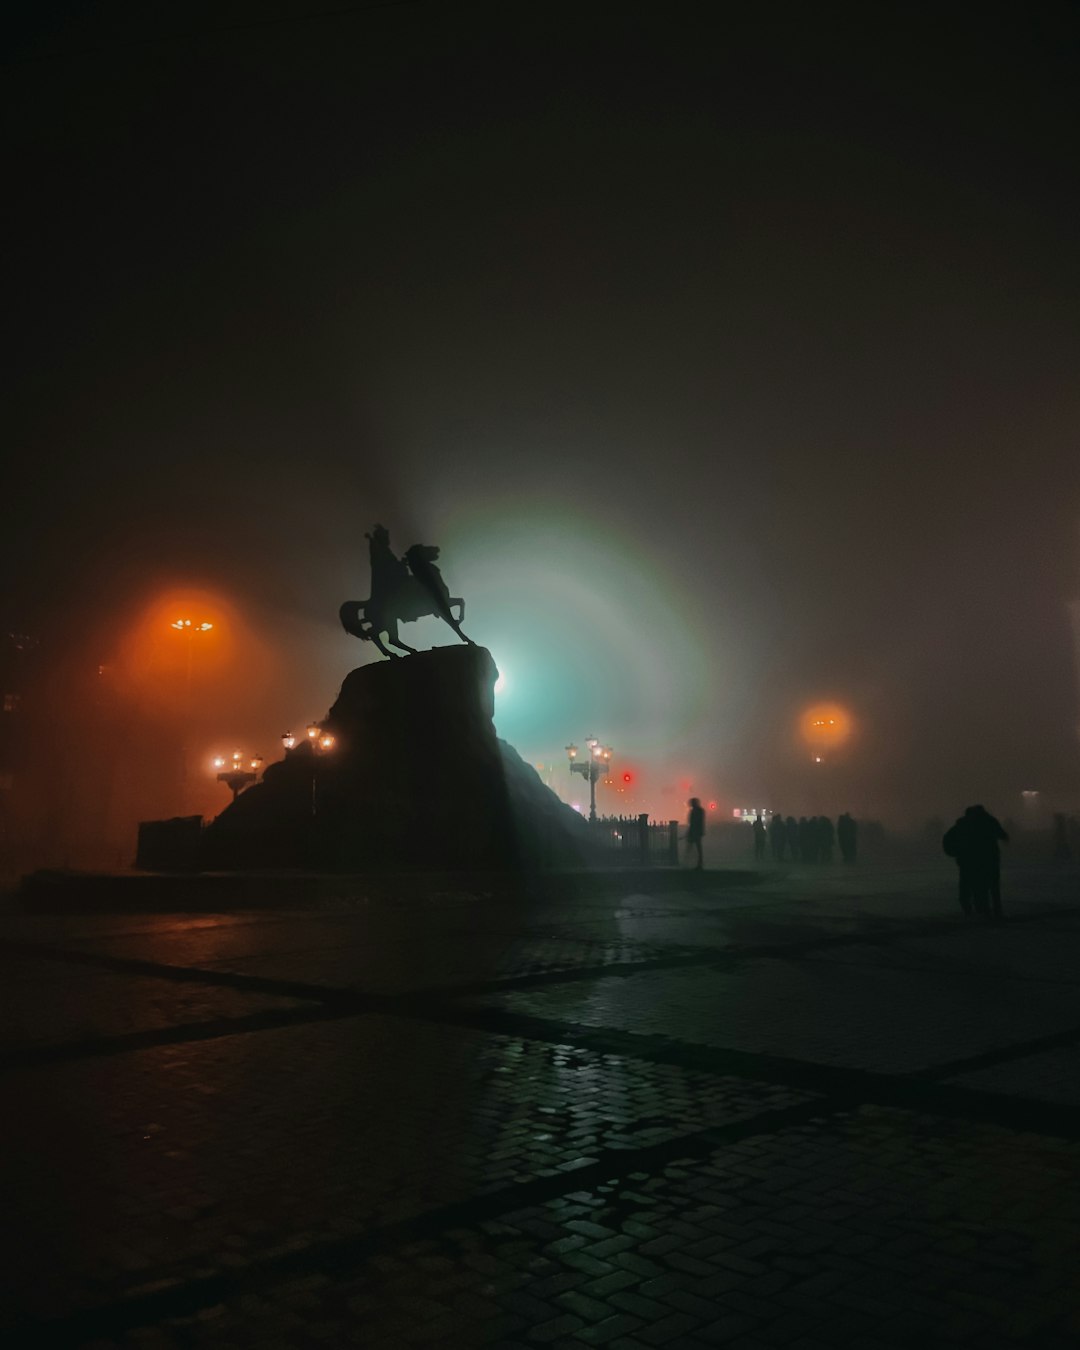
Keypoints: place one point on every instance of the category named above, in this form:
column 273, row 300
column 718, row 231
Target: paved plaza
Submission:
column 815, row 1108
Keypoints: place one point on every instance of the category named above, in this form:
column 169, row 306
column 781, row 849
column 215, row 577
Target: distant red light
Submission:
column 628, row 777
column 712, row 806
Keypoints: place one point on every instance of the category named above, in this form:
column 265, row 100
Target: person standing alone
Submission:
column 760, row 835
column 695, row 829
column 778, row 836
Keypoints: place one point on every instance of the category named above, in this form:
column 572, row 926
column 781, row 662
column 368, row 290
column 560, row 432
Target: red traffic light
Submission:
column 628, row 777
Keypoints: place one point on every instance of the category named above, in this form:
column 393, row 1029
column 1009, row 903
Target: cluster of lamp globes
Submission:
column 320, row 739
column 315, row 734
column 601, row 754
column 236, row 764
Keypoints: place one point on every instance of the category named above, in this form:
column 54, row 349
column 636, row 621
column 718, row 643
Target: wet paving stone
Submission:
column 819, row 1111
column 877, row 1227
column 48, row 1003
column 315, row 1130
column 863, row 1016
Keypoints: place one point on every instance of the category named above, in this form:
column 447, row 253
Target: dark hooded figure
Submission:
column 791, row 828
column 777, row 837
column 807, row 839
column 825, row 839
column 973, row 841
column 847, row 833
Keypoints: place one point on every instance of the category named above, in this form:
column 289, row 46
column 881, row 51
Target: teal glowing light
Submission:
column 596, row 629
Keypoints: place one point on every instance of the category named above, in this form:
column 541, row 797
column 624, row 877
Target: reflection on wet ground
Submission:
column 822, row 1109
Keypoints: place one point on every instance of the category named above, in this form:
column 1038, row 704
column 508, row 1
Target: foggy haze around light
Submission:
column 730, row 381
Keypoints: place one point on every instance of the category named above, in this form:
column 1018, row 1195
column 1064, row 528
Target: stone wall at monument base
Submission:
column 416, row 779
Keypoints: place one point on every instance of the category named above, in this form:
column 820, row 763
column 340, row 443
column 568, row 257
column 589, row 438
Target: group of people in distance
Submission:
column 791, row 840
column 973, row 841
column 808, row 840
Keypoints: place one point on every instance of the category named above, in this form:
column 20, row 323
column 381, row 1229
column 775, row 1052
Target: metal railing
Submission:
column 637, row 840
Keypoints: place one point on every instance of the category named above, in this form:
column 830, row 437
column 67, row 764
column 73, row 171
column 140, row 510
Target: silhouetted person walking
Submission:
column 952, row 841
column 695, row 829
column 847, row 833
column 759, row 839
column 973, row 841
column 777, row 837
column 824, row 839
column 791, row 829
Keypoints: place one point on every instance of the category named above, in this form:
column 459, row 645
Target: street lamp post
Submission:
column 318, row 741
column 821, row 733
column 597, row 766
column 190, row 629
column 235, row 776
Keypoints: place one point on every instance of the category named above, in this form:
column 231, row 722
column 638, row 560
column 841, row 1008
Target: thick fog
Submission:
column 732, row 368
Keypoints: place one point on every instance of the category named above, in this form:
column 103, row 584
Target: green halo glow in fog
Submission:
column 598, row 637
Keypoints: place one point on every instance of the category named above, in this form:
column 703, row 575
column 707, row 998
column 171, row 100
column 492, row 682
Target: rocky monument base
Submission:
column 416, row 779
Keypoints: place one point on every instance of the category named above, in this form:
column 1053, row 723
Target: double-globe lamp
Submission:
column 316, row 736
column 597, row 766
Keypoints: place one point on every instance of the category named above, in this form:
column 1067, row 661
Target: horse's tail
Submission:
column 350, row 615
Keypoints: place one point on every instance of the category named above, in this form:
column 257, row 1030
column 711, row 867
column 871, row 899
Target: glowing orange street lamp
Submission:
column 189, row 627
column 319, row 740
column 235, row 776
column 825, row 727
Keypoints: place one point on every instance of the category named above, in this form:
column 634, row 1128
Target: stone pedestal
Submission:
column 416, row 779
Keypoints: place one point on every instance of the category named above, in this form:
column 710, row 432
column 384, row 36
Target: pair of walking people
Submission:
column 973, row 841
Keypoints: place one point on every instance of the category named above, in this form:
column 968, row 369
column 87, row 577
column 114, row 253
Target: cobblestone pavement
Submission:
column 818, row 1111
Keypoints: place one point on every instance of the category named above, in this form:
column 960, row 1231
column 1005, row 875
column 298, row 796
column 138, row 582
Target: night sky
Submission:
column 730, row 356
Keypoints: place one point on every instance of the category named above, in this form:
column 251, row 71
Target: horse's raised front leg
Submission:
column 455, row 624
column 353, row 615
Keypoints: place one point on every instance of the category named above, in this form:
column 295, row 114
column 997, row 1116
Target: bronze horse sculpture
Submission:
column 401, row 592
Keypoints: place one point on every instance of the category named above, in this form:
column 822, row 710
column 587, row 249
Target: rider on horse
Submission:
column 399, row 595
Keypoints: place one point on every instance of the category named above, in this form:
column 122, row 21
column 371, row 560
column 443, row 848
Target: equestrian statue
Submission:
column 401, row 591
